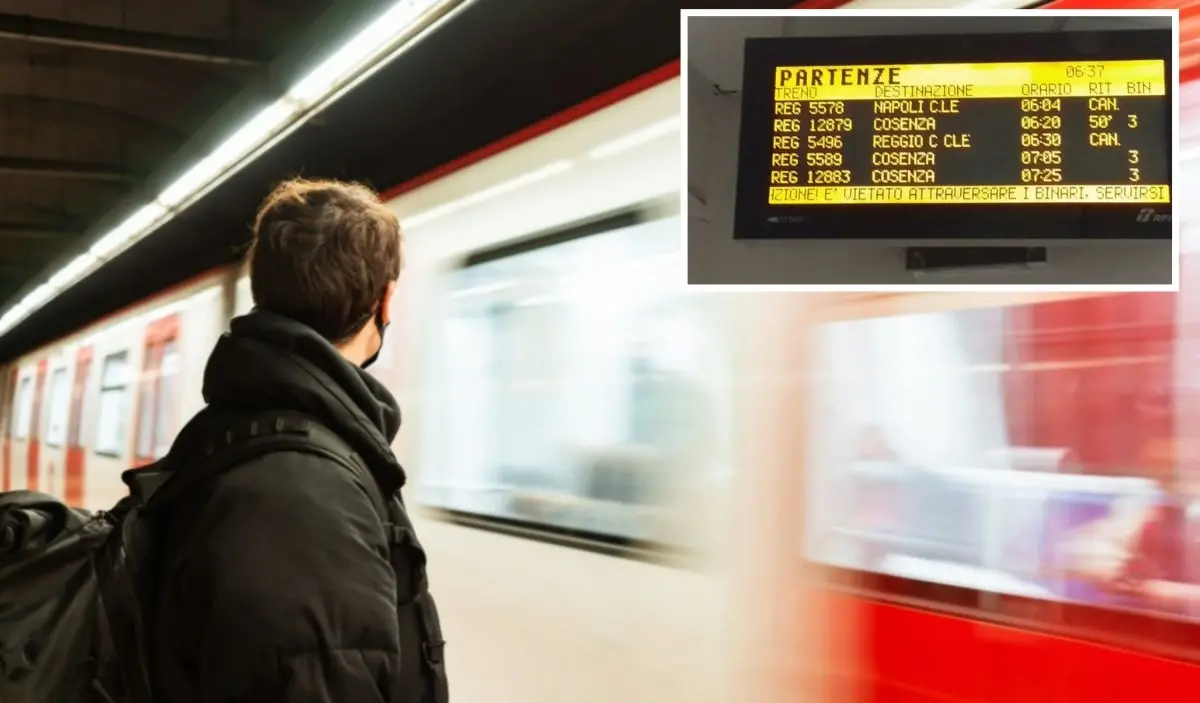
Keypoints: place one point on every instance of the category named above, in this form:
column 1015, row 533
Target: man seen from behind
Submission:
column 287, row 577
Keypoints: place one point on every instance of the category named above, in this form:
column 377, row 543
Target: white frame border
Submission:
column 1176, row 224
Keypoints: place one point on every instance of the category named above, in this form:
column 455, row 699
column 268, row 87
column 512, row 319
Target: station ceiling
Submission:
column 494, row 68
column 94, row 95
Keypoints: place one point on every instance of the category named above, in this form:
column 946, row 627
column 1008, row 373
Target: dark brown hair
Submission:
column 323, row 254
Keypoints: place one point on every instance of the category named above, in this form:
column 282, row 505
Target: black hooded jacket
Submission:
column 283, row 594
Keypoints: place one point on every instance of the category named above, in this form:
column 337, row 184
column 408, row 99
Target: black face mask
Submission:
column 382, row 327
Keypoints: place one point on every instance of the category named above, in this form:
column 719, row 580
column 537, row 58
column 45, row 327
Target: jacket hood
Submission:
column 270, row 362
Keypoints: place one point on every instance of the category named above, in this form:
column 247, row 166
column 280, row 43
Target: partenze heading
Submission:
column 836, row 75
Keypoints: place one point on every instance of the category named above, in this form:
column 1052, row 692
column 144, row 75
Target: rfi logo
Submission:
column 1148, row 214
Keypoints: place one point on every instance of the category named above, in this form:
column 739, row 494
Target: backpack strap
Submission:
column 123, row 652
column 407, row 547
column 241, row 440
column 408, row 560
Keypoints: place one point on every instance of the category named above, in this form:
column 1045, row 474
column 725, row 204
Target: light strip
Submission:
column 381, row 41
column 146, row 218
column 541, row 174
column 635, row 139
column 256, row 131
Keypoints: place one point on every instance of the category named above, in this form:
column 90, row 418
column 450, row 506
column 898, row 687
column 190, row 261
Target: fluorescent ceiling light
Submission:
column 541, row 174
column 79, row 265
column 38, row 297
column 357, row 54
column 249, row 137
column 635, row 139
column 384, row 39
column 11, row 316
column 141, row 221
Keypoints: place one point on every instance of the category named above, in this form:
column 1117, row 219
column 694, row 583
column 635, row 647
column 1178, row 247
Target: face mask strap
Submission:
column 382, row 327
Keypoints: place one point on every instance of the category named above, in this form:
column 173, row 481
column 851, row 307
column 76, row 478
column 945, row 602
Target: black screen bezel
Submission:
column 916, row 223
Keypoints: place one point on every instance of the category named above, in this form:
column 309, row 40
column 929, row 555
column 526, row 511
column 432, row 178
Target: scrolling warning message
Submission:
column 978, row 133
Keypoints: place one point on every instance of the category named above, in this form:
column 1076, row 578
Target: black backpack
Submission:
column 69, row 615
column 72, row 582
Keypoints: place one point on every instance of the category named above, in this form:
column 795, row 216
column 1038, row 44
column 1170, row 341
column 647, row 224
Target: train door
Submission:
column 789, row 650
column 52, row 462
column 76, row 453
column 158, row 391
column 33, row 443
column 891, row 382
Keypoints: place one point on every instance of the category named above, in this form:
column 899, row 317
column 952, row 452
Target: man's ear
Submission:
column 385, row 312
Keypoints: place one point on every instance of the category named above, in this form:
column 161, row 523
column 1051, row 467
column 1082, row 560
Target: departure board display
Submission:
column 1010, row 136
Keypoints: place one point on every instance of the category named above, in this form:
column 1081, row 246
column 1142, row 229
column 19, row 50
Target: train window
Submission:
column 574, row 387
column 168, row 391
column 57, row 408
column 10, row 401
column 113, row 417
column 24, row 413
column 1031, row 450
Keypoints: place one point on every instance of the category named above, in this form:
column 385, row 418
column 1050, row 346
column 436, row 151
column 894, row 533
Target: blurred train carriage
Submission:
column 1012, row 436
column 909, row 493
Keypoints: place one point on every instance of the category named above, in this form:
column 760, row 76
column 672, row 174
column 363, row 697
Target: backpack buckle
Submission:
column 397, row 534
column 433, row 652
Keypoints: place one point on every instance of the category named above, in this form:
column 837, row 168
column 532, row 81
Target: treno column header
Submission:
column 971, row 80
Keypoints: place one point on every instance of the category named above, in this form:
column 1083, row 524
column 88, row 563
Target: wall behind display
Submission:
column 714, row 117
